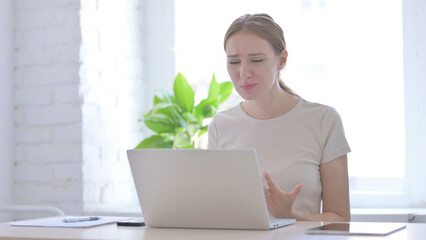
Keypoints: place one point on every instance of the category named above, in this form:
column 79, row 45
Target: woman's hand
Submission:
column 335, row 195
column 280, row 203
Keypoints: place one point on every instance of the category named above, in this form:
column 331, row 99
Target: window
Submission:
column 340, row 54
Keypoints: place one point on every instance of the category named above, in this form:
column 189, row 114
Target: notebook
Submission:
column 77, row 222
column 220, row 189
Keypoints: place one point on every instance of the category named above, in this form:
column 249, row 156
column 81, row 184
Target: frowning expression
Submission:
column 253, row 65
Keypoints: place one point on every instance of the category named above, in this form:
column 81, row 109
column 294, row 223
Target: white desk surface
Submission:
column 413, row 231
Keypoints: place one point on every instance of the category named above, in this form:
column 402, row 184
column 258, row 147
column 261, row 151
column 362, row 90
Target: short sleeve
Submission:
column 334, row 143
column 212, row 132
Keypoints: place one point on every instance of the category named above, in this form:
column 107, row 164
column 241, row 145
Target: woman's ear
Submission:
column 283, row 59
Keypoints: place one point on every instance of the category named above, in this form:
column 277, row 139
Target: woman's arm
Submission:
column 335, row 195
column 335, row 192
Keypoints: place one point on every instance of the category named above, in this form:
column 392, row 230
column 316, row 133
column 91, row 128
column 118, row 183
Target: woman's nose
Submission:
column 245, row 71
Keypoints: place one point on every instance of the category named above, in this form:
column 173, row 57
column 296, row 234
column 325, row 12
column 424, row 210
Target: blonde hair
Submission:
column 265, row 27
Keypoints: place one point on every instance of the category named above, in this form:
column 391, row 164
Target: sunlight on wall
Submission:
column 112, row 89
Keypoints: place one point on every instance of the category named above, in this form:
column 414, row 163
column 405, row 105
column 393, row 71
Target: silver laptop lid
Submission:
column 200, row 188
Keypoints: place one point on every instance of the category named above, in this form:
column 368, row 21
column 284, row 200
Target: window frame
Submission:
column 415, row 94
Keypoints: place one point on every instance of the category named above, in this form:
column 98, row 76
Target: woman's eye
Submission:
column 257, row 60
column 234, row 62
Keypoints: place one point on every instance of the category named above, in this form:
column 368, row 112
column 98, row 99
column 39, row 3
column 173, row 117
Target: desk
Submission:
column 414, row 231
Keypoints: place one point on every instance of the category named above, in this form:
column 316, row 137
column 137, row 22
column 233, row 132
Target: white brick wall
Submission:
column 78, row 85
column 48, row 119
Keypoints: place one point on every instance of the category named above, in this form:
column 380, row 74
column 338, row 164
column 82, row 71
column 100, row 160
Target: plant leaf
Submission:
column 203, row 130
column 214, row 88
column 155, row 141
column 159, row 123
column 165, row 108
column 189, row 117
column 209, row 111
column 200, row 111
column 161, row 106
column 176, row 120
column 157, row 100
column 183, row 93
column 225, row 91
column 167, row 97
column 169, row 107
column 192, row 129
column 182, row 140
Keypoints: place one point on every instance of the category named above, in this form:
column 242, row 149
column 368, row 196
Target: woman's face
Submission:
column 252, row 65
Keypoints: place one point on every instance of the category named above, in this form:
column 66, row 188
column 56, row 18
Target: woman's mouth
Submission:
column 248, row 86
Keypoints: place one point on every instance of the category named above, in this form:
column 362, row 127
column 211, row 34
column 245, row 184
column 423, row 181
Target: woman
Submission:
column 301, row 145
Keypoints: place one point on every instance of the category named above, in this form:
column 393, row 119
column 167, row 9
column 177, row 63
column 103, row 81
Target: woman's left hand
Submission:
column 280, row 203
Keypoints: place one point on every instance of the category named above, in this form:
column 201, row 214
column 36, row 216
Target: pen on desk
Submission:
column 83, row 219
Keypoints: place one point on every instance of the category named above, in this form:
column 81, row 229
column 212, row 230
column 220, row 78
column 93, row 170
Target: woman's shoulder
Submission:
column 313, row 110
column 305, row 105
column 230, row 113
column 226, row 118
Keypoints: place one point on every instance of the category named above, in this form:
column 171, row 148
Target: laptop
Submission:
column 219, row 189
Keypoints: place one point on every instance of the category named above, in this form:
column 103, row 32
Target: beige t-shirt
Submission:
column 290, row 147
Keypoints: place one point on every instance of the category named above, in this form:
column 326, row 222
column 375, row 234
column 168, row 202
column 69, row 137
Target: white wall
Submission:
column 6, row 101
column 78, row 91
column 48, row 152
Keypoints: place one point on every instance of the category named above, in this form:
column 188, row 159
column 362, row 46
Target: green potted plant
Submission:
column 176, row 121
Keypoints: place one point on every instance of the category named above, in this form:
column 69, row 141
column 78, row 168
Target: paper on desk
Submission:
column 58, row 222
